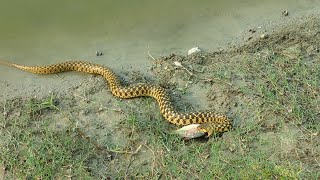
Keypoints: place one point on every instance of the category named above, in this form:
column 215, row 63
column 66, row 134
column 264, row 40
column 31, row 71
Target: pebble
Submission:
column 285, row 13
column 99, row 53
column 264, row 36
column 194, row 50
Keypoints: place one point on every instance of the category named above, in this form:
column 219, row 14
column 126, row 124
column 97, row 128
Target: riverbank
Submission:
column 268, row 85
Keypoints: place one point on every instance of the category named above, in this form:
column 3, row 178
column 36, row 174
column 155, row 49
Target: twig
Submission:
column 211, row 79
column 136, row 151
column 116, row 110
column 120, row 152
column 127, row 169
column 150, row 55
column 154, row 157
column 177, row 63
column 188, row 71
column 288, row 55
column 5, row 113
column 83, row 135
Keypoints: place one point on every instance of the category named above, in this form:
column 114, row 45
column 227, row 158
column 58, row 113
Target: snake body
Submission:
column 210, row 122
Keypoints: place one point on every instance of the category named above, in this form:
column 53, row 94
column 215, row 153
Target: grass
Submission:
column 265, row 144
column 287, row 87
column 30, row 149
column 35, row 107
column 275, row 134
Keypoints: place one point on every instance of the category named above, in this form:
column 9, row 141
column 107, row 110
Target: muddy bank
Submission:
column 204, row 85
column 268, row 86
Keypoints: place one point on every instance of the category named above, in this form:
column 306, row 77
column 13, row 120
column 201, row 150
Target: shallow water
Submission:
column 43, row 31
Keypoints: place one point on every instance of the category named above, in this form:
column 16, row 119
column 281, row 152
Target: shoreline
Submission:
column 25, row 84
column 268, row 86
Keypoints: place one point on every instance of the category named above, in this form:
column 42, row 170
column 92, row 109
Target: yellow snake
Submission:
column 210, row 122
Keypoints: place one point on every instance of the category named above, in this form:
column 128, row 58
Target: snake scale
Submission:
column 209, row 122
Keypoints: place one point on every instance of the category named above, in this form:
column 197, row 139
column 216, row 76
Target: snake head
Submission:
column 213, row 128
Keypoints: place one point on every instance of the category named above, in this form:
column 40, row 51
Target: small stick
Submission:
column 83, row 135
column 127, row 169
column 5, row 113
column 136, row 151
column 150, row 55
column 177, row 63
column 211, row 79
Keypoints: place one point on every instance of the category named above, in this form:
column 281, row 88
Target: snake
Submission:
column 210, row 122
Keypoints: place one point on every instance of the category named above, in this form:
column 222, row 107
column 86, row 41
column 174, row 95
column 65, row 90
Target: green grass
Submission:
column 275, row 134
column 287, row 88
column 282, row 113
column 30, row 149
column 35, row 107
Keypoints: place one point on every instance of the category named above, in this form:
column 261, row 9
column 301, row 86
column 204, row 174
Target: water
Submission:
column 45, row 31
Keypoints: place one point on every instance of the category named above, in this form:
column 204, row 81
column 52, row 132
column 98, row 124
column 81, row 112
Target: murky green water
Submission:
column 46, row 31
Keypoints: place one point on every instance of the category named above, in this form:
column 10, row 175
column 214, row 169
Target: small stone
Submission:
column 285, row 13
column 99, row 53
column 252, row 30
column 177, row 63
column 194, row 50
column 264, row 36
